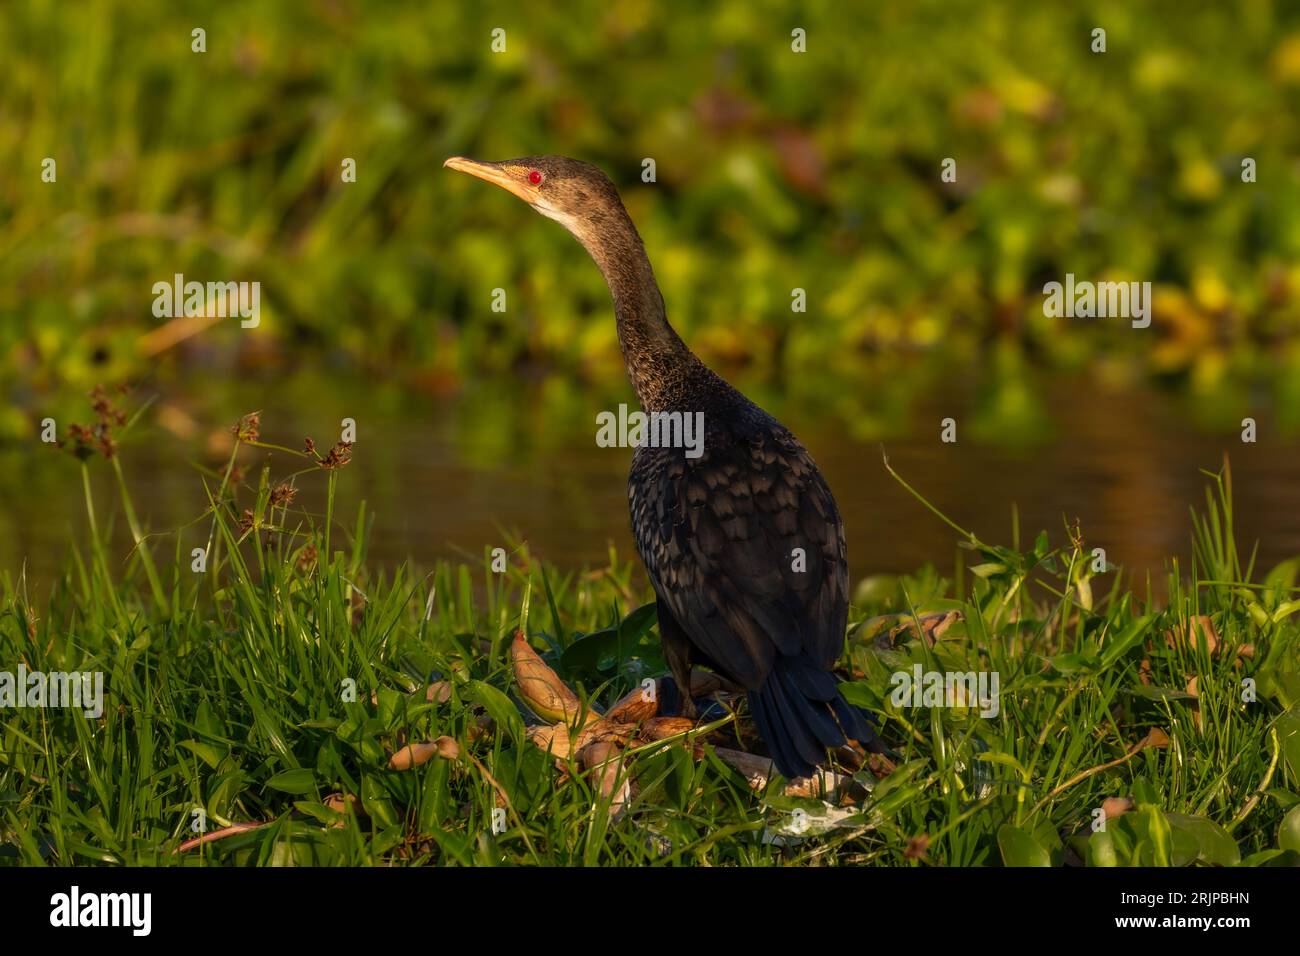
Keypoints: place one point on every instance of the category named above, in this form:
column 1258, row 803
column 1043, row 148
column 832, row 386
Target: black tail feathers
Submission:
column 800, row 715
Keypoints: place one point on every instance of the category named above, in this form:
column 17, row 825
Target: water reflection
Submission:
column 447, row 476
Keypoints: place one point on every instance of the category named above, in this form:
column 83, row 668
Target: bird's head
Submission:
column 576, row 194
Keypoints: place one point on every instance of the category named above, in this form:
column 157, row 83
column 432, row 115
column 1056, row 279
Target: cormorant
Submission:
column 743, row 545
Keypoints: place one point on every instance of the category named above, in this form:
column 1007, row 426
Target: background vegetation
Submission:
column 775, row 170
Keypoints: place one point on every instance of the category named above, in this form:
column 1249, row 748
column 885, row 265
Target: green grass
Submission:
column 226, row 690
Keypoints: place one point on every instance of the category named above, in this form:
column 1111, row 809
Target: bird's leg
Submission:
column 680, row 665
column 677, row 651
column 678, row 654
column 688, row 707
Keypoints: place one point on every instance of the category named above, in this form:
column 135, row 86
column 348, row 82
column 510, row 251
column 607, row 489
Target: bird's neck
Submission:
column 658, row 362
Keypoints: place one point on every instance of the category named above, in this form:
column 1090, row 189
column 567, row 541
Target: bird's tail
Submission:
column 801, row 714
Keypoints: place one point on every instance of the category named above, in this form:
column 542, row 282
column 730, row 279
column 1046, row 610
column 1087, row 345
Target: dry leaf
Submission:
column 541, row 688
column 412, row 755
column 636, row 706
column 1114, row 806
column 1190, row 636
column 339, row 802
column 1155, row 738
column 605, row 758
column 658, row 728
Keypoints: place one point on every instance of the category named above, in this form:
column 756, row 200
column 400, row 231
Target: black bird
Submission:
column 744, row 545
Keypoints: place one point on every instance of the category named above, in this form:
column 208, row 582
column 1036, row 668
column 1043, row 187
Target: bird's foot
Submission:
column 687, row 708
column 677, row 700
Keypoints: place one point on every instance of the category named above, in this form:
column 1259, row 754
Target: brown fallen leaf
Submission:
column 412, row 755
column 1112, row 807
column 562, row 742
column 638, row 705
column 605, row 730
column 657, row 728
column 541, row 688
column 553, row 739
column 339, row 802
column 634, row 719
column 1155, row 738
column 605, row 759
column 1190, row 636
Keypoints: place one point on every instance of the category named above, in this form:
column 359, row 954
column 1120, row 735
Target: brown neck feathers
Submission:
column 659, row 364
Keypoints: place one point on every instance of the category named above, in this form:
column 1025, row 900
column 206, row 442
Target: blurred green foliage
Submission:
column 775, row 170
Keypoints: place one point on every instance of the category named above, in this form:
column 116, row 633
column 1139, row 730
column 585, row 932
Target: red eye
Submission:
column 535, row 177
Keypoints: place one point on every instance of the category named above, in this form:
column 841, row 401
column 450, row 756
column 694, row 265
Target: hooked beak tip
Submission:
column 492, row 173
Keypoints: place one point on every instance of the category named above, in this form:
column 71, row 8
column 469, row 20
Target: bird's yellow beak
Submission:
column 494, row 173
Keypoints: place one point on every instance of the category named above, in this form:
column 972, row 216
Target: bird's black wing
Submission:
column 746, row 547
